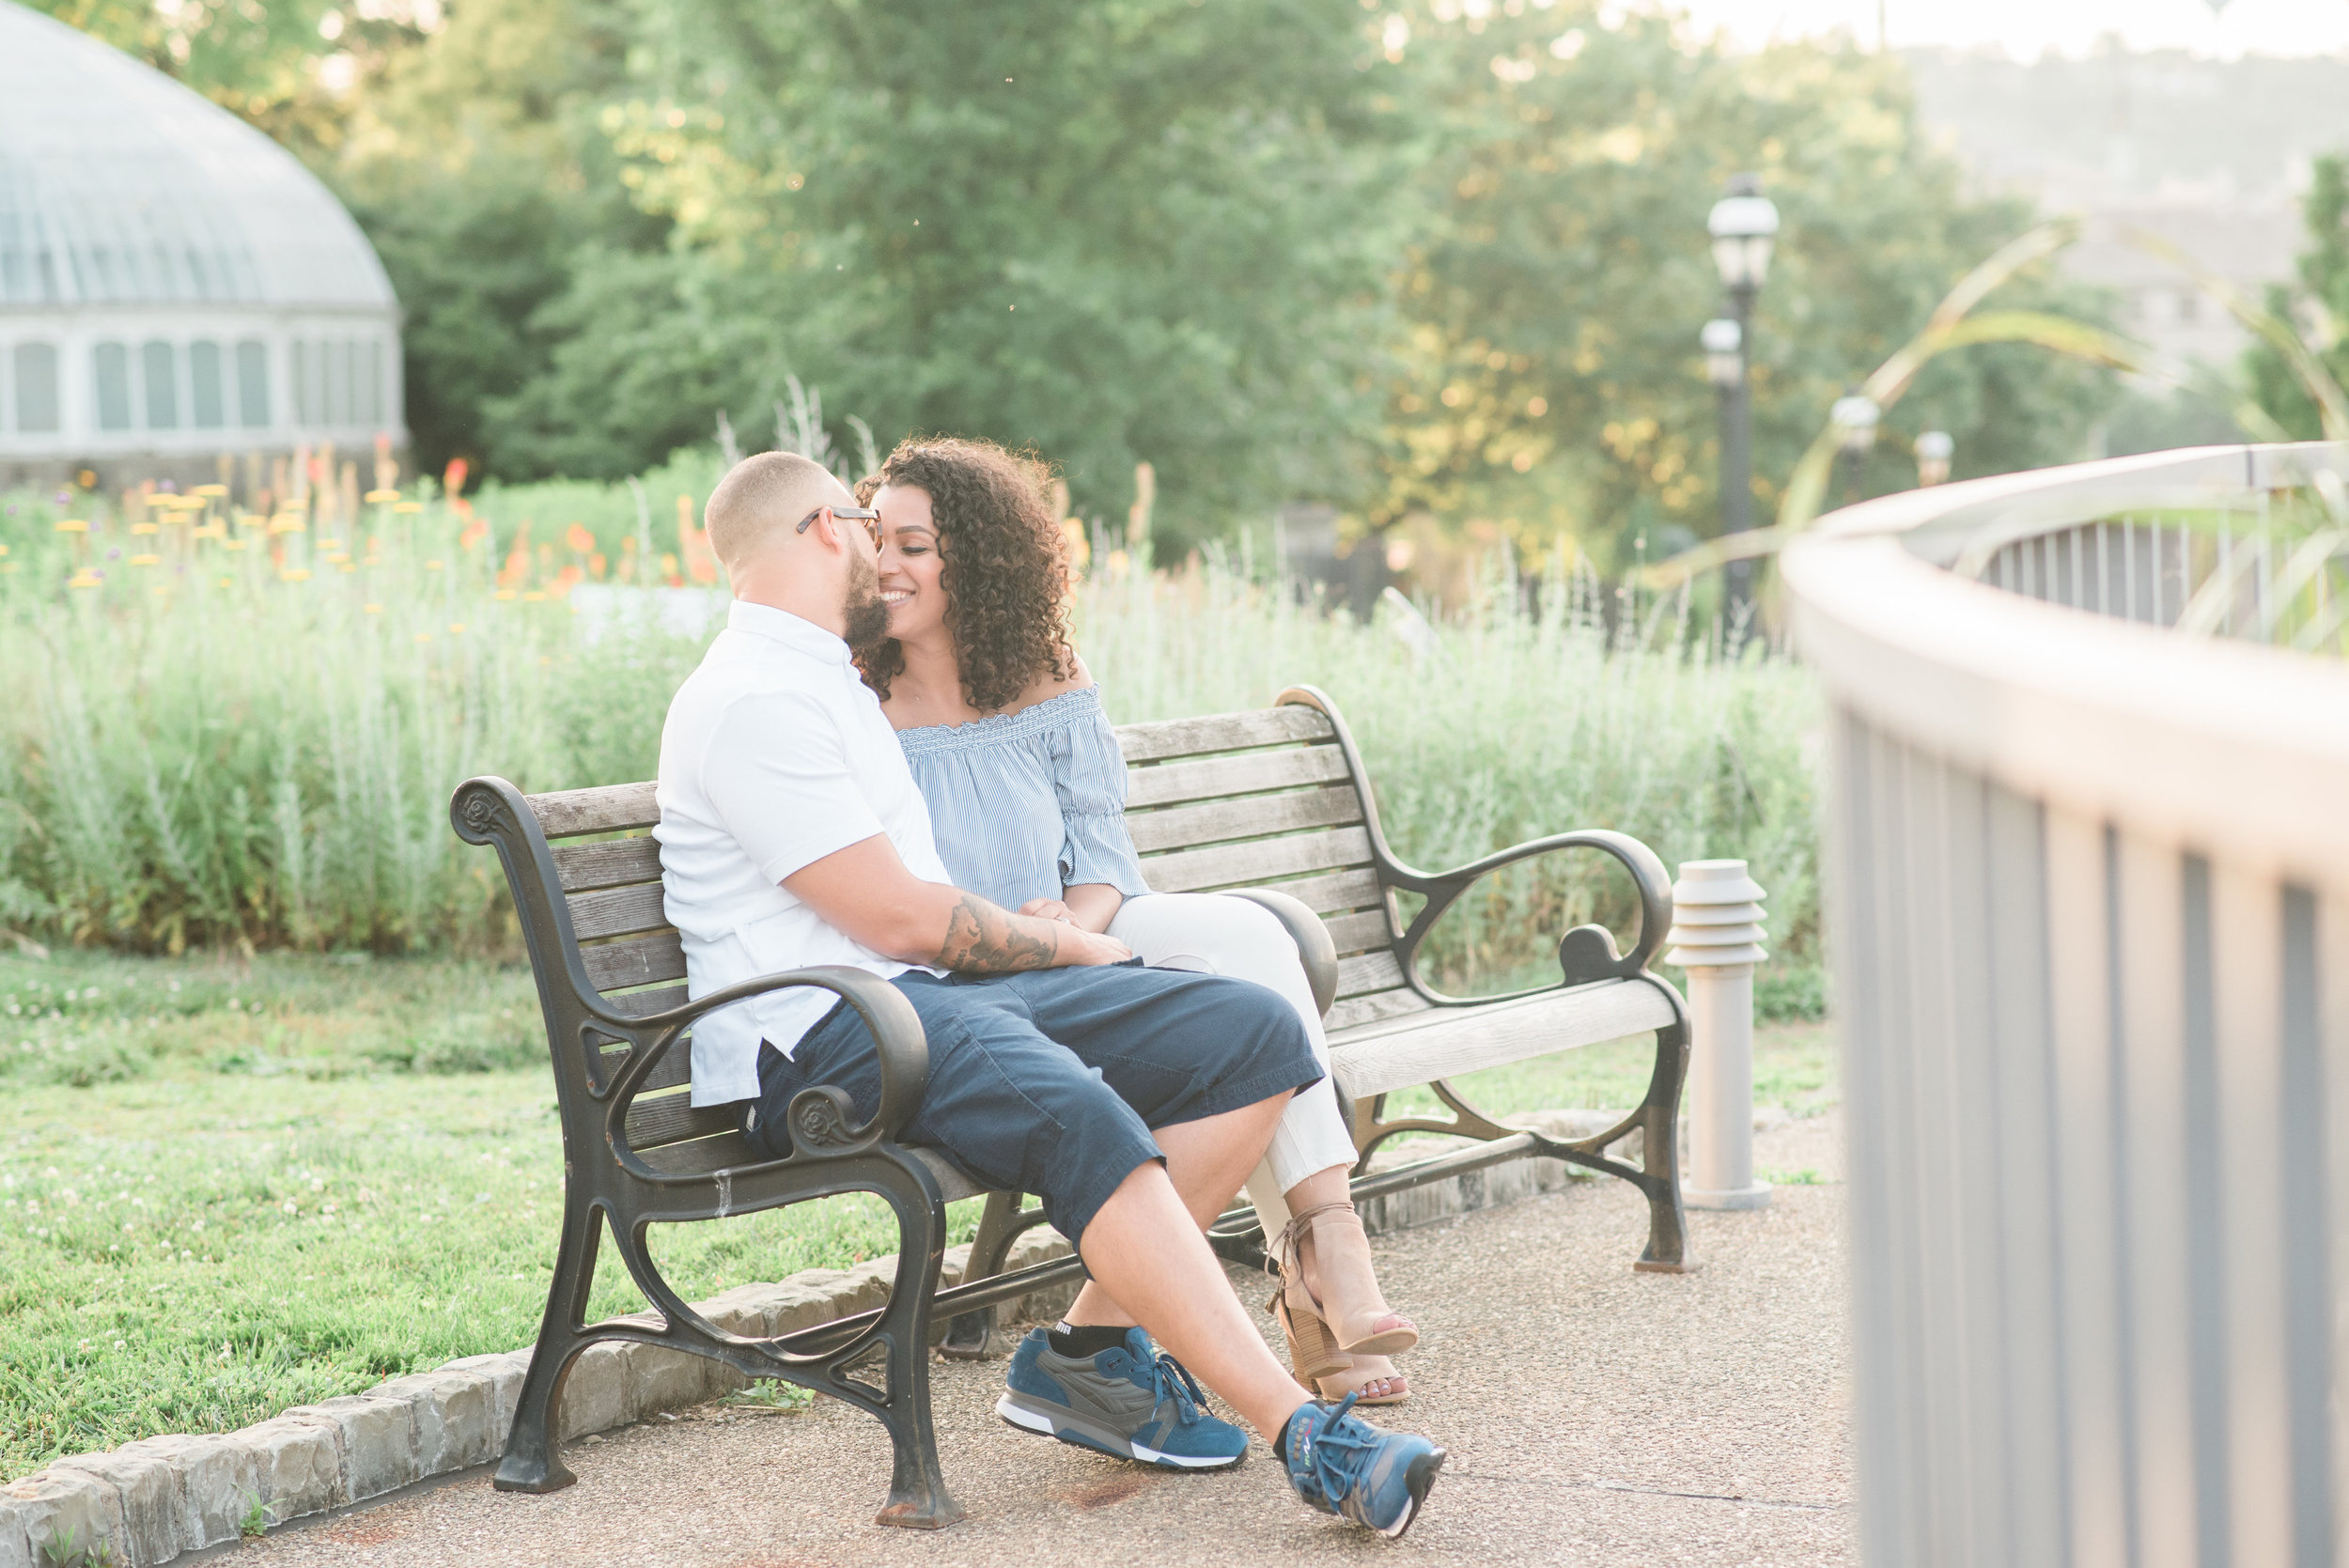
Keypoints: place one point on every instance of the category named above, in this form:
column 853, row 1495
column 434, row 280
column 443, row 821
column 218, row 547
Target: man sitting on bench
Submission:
column 1132, row 1101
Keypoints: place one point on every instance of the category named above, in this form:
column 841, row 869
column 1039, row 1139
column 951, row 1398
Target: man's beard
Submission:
column 866, row 616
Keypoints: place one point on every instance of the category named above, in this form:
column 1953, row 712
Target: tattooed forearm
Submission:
column 983, row 938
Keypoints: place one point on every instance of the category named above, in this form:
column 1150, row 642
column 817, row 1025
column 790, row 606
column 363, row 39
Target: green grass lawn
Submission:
column 228, row 1187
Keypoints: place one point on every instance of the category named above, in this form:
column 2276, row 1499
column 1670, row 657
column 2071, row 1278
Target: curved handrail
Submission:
column 2222, row 745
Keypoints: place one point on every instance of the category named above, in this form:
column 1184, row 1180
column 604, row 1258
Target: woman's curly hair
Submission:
column 1003, row 565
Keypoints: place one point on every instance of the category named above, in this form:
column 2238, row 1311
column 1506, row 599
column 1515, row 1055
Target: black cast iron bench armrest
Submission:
column 1585, row 954
column 822, row 1120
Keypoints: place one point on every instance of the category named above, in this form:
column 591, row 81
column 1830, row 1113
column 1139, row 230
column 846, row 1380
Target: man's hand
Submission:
column 867, row 891
column 1047, row 908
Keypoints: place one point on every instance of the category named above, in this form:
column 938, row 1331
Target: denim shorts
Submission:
column 1049, row 1083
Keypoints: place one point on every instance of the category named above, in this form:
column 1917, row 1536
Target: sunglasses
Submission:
column 865, row 515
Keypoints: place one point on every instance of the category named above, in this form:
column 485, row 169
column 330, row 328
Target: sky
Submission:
column 2027, row 28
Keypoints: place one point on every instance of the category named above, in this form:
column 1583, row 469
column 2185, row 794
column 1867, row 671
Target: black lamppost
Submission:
column 1744, row 226
column 1855, row 414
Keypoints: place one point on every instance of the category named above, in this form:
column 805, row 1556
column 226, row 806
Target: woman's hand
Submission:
column 1047, row 908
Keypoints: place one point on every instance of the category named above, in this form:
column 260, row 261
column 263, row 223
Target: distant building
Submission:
column 2211, row 156
column 173, row 286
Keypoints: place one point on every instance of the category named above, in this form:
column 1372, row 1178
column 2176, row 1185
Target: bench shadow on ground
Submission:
column 1594, row 1415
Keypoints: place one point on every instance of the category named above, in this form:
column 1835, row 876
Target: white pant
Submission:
column 1210, row 934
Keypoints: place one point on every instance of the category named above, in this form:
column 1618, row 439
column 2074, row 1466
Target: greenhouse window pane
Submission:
column 371, row 384
column 111, row 361
column 158, row 365
column 207, row 407
column 301, row 382
column 252, row 385
column 36, row 386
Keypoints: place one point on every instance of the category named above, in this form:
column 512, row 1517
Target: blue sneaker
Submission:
column 1341, row 1465
column 1132, row 1401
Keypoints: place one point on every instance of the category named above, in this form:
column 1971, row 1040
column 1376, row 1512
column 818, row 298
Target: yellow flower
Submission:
column 4, row 549
column 372, row 609
column 6, row 568
column 534, row 597
column 409, row 506
column 288, row 526
column 228, row 581
column 432, row 565
column 502, row 592
column 210, row 489
column 146, row 560
column 348, row 567
column 73, row 525
column 162, row 589
column 294, row 574
column 251, row 519
column 424, row 637
column 84, row 579
column 376, row 498
column 232, row 544
column 144, row 527
column 329, row 544
column 457, row 627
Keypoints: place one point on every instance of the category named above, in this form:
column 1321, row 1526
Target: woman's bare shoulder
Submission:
column 1054, row 684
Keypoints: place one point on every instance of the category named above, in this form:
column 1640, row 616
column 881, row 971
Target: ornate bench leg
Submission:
column 918, row 1498
column 1659, row 1156
column 530, row 1463
column 971, row 1334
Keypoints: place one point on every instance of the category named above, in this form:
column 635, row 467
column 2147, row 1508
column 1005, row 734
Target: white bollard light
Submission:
column 1717, row 937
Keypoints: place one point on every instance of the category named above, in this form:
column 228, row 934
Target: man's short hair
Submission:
column 771, row 490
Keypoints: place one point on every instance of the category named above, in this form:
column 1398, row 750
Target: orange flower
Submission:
column 581, row 541
column 565, row 580
column 453, row 477
column 475, row 531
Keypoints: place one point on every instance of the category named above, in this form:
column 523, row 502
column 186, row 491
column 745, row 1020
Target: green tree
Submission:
column 479, row 167
column 1554, row 383
column 291, row 66
column 1117, row 229
column 2319, row 306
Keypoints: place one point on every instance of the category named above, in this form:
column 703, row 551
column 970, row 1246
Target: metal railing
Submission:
column 2089, row 916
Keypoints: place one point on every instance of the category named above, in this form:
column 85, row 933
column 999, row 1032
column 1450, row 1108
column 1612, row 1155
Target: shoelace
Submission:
column 1170, row 1378
column 1334, row 1476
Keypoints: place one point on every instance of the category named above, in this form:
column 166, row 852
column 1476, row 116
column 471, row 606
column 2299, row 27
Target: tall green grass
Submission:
column 254, row 747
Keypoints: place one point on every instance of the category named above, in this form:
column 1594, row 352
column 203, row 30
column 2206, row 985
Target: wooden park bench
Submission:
column 1272, row 804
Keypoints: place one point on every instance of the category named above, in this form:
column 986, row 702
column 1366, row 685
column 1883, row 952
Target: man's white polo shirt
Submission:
column 775, row 754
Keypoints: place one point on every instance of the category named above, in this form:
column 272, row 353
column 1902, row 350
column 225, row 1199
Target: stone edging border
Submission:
column 151, row 1499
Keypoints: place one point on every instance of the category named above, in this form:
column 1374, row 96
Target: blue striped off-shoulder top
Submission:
column 1025, row 804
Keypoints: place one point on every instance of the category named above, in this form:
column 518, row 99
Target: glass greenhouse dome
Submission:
column 173, row 286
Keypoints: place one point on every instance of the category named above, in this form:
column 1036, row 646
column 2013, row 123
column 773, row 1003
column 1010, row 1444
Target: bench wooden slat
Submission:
column 612, row 808
column 726, row 1151
column 1402, row 1053
column 644, row 1005
column 1169, row 784
column 1333, row 891
column 611, row 863
column 1249, row 816
column 1365, row 931
column 617, row 911
column 1367, row 972
column 638, row 961
column 1257, row 865
column 673, row 1118
column 674, row 1067
column 1355, row 1012
column 1221, row 732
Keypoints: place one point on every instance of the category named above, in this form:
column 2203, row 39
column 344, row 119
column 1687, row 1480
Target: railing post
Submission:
column 1717, row 937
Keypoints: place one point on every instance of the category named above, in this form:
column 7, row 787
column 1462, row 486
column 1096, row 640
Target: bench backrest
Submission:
column 1261, row 798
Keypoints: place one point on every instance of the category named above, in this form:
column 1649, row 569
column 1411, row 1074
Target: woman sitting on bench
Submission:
column 1006, row 736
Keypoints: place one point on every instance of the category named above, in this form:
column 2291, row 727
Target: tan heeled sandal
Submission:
column 1314, row 1349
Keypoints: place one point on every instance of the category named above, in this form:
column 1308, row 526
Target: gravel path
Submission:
column 1594, row 1415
